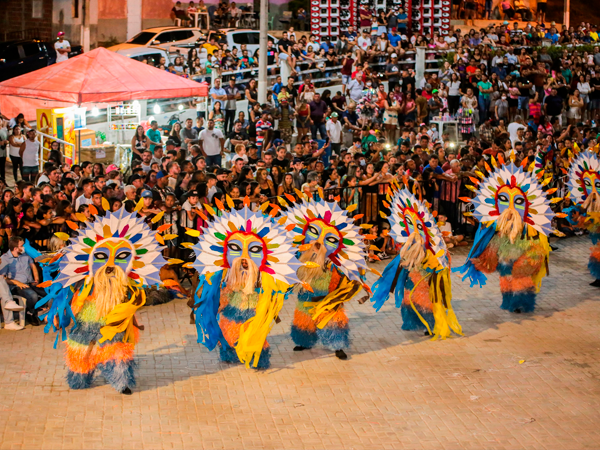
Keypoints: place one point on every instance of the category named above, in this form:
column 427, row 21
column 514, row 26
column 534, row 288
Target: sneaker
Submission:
column 13, row 306
column 384, row 256
column 14, row 326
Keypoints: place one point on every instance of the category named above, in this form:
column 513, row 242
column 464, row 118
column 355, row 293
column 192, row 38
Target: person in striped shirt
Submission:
column 262, row 126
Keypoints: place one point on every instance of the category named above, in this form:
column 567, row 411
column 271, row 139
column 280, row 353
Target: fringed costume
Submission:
column 419, row 276
column 334, row 251
column 584, row 189
column 99, row 288
column 247, row 265
column 515, row 220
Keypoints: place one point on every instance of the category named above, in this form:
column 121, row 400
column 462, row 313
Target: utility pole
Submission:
column 262, row 59
column 567, row 14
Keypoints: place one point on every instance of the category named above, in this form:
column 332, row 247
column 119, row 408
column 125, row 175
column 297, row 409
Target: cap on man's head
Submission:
column 297, row 160
column 111, row 168
column 135, row 178
column 394, row 55
column 147, row 194
column 334, row 114
column 60, row 33
column 193, row 194
column 160, row 175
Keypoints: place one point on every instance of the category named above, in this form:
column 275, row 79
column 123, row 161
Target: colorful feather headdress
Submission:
column 147, row 260
column 405, row 209
column 349, row 257
column 537, row 214
column 584, row 176
column 279, row 255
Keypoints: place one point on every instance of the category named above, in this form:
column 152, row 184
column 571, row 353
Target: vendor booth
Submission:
column 59, row 96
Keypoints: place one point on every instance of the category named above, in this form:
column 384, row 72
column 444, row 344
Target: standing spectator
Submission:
column 154, row 135
column 318, row 109
column 3, row 151
column 217, row 93
column 62, row 47
column 30, row 153
column 334, row 132
column 233, row 94
column 211, row 142
column 189, row 135
column 392, row 71
column 262, row 127
column 15, row 140
column 355, row 87
column 485, row 90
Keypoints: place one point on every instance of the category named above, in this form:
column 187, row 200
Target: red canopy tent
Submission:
column 99, row 76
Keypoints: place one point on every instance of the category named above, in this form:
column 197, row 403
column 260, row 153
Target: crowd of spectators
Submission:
column 346, row 144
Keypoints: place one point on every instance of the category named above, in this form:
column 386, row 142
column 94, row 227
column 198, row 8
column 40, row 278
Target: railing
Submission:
column 32, row 33
column 44, row 139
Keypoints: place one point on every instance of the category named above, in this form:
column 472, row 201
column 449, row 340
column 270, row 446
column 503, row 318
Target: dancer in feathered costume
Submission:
column 514, row 222
column 419, row 276
column 99, row 288
column 584, row 188
column 328, row 237
column 246, row 264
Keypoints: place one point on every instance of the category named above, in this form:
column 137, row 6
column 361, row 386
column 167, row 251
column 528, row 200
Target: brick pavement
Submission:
column 514, row 381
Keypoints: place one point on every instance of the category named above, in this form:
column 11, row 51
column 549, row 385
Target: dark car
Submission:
column 21, row 57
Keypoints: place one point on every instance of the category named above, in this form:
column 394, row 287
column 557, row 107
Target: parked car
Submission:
column 24, row 56
column 152, row 54
column 235, row 37
column 163, row 37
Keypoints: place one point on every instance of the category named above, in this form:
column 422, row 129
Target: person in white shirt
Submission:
column 334, row 132
column 212, row 142
column 355, row 87
column 364, row 44
column 86, row 197
column 30, row 153
column 514, row 127
column 62, row 47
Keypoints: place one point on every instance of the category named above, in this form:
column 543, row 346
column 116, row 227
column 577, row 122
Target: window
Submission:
column 10, row 53
column 181, row 35
column 242, row 38
column 36, row 9
column 164, row 37
column 31, row 49
column 142, row 38
column 75, row 9
column 153, row 58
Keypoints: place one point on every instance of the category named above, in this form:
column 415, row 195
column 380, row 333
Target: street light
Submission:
column 156, row 109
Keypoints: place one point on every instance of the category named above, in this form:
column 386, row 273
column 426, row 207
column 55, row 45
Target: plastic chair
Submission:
column 22, row 302
column 178, row 22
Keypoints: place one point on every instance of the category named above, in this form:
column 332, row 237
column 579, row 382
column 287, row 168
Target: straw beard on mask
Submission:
column 110, row 289
column 510, row 224
column 317, row 254
column 243, row 275
column 412, row 252
column 592, row 203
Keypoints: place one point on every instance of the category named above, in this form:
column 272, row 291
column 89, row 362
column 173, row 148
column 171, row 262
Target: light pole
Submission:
column 262, row 60
column 567, row 14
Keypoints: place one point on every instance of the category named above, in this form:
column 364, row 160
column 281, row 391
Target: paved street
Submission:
column 514, row 381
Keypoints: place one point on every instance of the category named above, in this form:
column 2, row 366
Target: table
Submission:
column 247, row 18
column 196, row 17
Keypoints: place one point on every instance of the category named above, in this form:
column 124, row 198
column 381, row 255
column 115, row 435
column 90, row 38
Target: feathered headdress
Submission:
column 405, row 208
column 536, row 215
column 584, row 176
column 349, row 256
